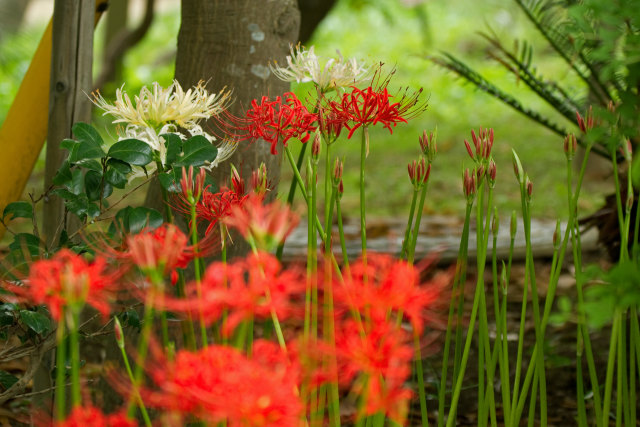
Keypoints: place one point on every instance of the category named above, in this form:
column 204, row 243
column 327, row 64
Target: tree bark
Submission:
column 312, row 12
column 230, row 43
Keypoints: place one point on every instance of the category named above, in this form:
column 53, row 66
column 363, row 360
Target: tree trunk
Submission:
column 230, row 43
column 312, row 13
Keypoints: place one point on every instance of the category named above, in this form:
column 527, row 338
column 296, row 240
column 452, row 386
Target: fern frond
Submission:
column 451, row 63
column 520, row 63
column 548, row 16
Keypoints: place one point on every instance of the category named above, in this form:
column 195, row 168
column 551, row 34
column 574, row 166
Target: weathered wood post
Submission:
column 71, row 61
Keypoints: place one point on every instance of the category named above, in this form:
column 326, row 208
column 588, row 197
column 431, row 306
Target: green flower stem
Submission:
column 165, row 198
column 61, row 367
column 136, row 391
column 456, row 294
column 363, row 222
column 622, row 393
column 465, row 357
column 343, row 243
column 504, row 366
column 188, row 330
column 610, row 366
column 633, row 365
column 74, row 344
column 516, row 381
column 197, row 272
column 292, row 193
column 416, row 227
column 296, row 173
column 145, row 334
column 424, row 416
column 406, row 243
column 582, row 410
column 334, row 393
column 274, row 315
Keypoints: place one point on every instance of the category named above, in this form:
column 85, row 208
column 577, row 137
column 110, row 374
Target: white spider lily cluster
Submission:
column 305, row 66
column 159, row 110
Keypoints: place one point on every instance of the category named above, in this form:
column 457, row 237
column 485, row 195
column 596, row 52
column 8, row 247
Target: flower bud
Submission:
column 570, row 146
column 627, row 150
column 259, row 179
column 236, row 180
column 556, row 236
column 468, row 147
column 316, row 146
column 117, row 328
column 492, row 171
column 428, row 145
column 529, row 187
column 629, row 201
column 514, row 225
column 517, row 167
column 338, row 167
column 469, row 184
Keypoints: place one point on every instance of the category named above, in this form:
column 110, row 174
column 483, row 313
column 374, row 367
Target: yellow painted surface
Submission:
column 24, row 130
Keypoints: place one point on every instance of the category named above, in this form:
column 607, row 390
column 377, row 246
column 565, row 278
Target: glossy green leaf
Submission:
column 115, row 177
column 141, row 218
column 89, row 143
column 63, row 176
column 196, row 152
column 132, row 151
column 18, row 210
column 122, row 167
column 174, row 147
column 38, row 322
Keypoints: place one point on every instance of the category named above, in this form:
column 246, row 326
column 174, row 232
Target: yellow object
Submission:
column 24, row 130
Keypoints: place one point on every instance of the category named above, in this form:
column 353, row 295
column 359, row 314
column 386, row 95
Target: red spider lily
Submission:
column 66, row 280
column 267, row 224
column 385, row 286
column 247, row 288
column 380, row 359
column 277, row 121
column 88, row 415
column 371, row 106
column 220, row 383
column 161, row 250
column 213, row 207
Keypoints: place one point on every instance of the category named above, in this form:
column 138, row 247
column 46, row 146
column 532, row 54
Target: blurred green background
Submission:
column 403, row 35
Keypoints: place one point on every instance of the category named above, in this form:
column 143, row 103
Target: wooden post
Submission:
column 71, row 78
column 71, row 61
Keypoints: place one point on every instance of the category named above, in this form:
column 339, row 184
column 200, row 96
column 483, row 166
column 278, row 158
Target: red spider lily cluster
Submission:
column 68, row 280
column 277, row 121
column 351, row 331
column 220, row 383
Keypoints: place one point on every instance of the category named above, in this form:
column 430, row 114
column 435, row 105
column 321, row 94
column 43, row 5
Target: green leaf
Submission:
column 7, row 379
column 87, row 133
column 90, row 143
column 26, row 241
column 77, row 182
column 93, row 210
column 64, row 193
column 95, row 188
column 93, row 165
column 141, row 218
column 132, row 151
column 38, row 322
column 63, row 176
column 122, row 167
column 115, row 178
column 78, row 205
column 68, row 144
column 168, row 182
column 18, row 210
column 174, row 147
column 196, row 151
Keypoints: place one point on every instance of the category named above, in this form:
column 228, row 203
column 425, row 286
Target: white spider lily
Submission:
column 160, row 106
column 304, row 66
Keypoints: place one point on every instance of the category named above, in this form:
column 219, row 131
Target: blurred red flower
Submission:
column 220, row 383
column 67, row 279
